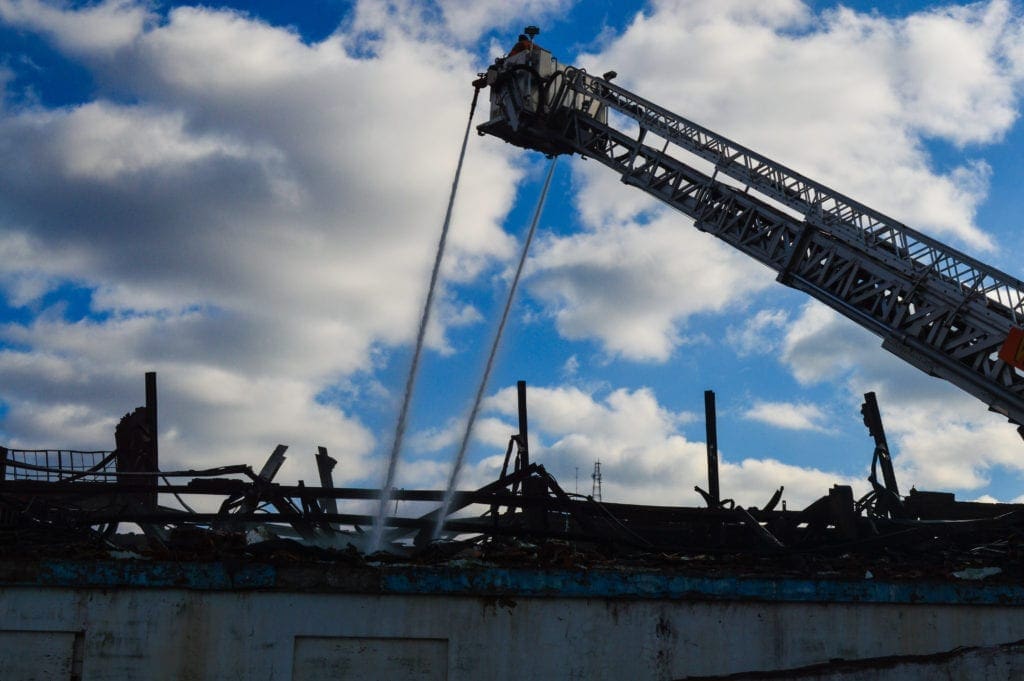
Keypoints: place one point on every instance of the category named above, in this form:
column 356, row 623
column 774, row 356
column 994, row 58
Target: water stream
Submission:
column 410, row 381
column 449, row 492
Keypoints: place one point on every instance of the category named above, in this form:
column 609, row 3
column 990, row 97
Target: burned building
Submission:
column 525, row 581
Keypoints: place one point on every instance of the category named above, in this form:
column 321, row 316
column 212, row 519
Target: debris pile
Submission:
column 72, row 503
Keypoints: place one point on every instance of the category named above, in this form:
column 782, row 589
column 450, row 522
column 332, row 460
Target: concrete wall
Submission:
column 992, row 663
column 135, row 632
column 126, row 619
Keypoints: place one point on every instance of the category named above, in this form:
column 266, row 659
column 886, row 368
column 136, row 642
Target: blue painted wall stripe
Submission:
column 484, row 581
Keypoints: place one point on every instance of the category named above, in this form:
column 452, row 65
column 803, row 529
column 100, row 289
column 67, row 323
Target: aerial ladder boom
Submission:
column 941, row 310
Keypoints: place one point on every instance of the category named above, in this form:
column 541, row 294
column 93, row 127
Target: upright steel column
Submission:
column 711, row 426
column 324, row 465
column 151, row 421
column 524, row 446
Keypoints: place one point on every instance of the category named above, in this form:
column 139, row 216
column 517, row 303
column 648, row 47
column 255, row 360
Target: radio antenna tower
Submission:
column 595, row 491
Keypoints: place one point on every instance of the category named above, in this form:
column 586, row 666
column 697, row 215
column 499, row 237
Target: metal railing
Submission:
column 56, row 465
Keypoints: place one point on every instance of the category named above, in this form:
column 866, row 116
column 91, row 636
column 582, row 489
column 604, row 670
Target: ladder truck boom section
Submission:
column 941, row 310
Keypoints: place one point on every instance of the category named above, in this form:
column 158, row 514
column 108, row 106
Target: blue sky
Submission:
column 246, row 197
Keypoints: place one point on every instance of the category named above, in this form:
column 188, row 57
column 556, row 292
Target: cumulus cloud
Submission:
column 848, row 98
column 941, row 437
column 472, row 17
column 632, row 286
column 832, row 92
column 845, row 97
column 644, row 455
column 788, row 415
column 251, row 215
column 454, row 21
column 960, row 70
column 254, row 216
column 95, row 29
column 760, row 334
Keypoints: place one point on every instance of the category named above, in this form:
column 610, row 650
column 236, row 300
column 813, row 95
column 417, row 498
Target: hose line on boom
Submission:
column 460, row 457
column 410, row 381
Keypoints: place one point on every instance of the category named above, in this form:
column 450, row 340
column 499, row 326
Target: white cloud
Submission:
column 435, row 439
column 446, row 22
column 644, row 456
column 941, row 438
column 788, row 415
column 760, row 334
column 99, row 28
column 959, row 78
column 632, row 286
column 820, row 345
column 257, row 215
column 844, row 97
column 255, row 224
column 473, row 17
column 109, row 143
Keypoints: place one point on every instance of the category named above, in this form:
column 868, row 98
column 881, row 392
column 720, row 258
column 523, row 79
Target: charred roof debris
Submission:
column 940, row 310
column 71, row 503
column 819, row 591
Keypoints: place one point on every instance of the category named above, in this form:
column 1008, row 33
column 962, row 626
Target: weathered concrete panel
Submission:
column 993, row 663
column 197, row 621
column 147, row 633
column 323, row 658
column 39, row 655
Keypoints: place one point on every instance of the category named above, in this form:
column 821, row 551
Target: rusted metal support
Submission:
column 711, row 428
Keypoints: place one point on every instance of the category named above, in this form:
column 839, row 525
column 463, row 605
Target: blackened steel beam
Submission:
column 324, row 465
column 873, row 420
column 524, row 438
column 711, row 427
column 151, row 418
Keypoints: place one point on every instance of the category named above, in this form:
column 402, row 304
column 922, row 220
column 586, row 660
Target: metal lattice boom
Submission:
column 939, row 309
